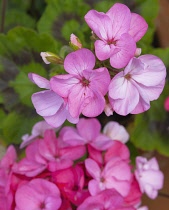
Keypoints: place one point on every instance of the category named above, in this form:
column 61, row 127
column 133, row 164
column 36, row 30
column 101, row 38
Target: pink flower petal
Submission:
column 36, row 193
column 39, row 81
column 62, row 86
column 100, row 24
column 46, row 102
column 138, row 27
column 99, row 79
column 78, row 61
column 127, row 47
column 103, row 50
column 120, row 16
column 92, row 168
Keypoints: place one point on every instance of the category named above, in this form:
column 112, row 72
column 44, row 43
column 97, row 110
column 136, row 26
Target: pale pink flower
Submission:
column 38, row 194
column 118, row 31
column 142, row 81
column 48, row 104
column 84, row 87
column 149, row 176
column 115, row 131
column 166, row 104
column 116, row 174
column 37, row 131
column 75, row 42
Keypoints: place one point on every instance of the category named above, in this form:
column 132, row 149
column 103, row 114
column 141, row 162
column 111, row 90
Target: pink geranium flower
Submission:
column 149, row 176
column 142, row 81
column 116, row 175
column 83, row 87
column 38, row 194
column 118, row 31
column 48, row 104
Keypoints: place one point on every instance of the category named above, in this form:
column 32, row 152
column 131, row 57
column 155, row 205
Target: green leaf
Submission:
column 15, row 17
column 24, row 87
column 15, row 126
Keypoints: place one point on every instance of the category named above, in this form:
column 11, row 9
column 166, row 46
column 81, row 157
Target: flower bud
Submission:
column 75, row 43
column 49, row 57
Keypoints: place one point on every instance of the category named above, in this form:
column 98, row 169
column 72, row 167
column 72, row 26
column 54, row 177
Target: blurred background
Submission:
column 28, row 27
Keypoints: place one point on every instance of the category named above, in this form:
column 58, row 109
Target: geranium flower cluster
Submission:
column 92, row 85
column 83, row 167
column 80, row 168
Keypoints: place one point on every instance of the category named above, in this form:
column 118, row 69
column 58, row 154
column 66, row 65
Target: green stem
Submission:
column 3, row 10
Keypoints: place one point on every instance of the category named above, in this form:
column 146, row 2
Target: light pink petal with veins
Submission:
column 127, row 47
column 138, row 27
column 39, row 81
column 99, row 79
column 95, row 106
column 100, row 24
column 62, row 86
column 120, row 16
column 47, row 102
column 78, row 61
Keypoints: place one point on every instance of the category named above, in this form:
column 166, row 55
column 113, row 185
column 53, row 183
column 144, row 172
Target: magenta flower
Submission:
column 166, row 104
column 142, row 81
column 149, row 176
column 83, row 87
column 118, row 31
column 38, row 194
column 48, row 104
column 71, row 183
column 116, row 175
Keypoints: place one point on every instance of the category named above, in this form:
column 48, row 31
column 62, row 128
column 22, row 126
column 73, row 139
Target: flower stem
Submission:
column 163, row 195
column 3, row 10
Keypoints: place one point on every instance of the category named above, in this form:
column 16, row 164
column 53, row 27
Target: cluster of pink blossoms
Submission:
column 89, row 88
column 80, row 168
column 83, row 168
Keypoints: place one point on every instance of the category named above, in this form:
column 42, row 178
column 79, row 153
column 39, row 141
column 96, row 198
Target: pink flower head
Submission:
column 48, row 104
column 116, row 175
column 37, row 131
column 38, row 194
column 83, row 87
column 116, row 131
column 118, row 31
column 142, row 81
column 149, row 177
column 166, row 104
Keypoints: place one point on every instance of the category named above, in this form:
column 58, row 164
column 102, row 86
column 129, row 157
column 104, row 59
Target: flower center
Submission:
column 127, row 76
column 112, row 41
column 85, row 82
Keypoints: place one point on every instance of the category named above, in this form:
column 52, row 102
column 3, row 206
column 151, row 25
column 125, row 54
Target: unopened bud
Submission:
column 75, row 43
column 49, row 57
column 138, row 52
